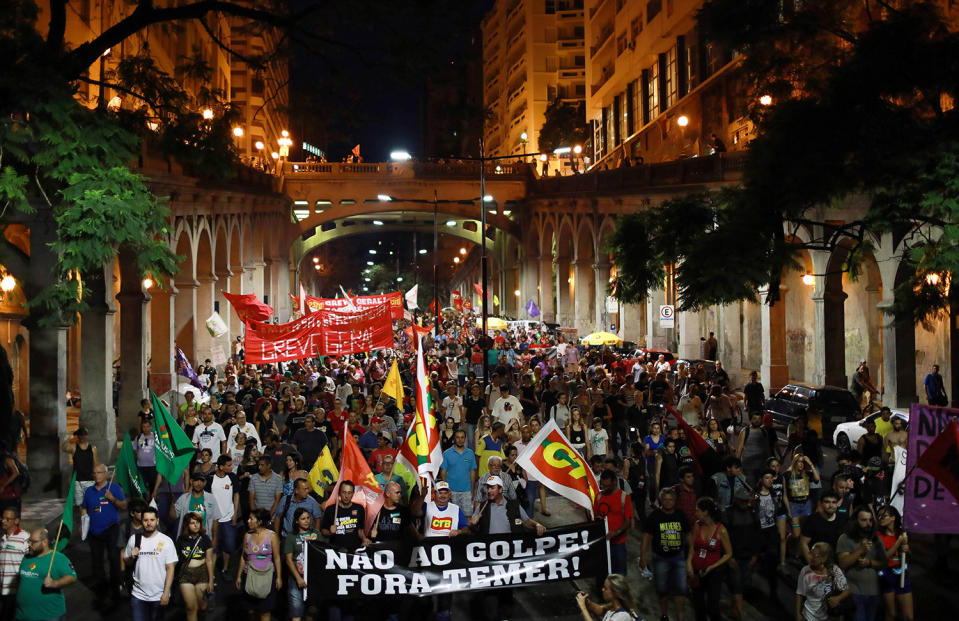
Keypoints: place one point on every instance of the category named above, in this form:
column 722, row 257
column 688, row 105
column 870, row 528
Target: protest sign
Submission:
column 928, row 506
column 322, row 333
column 393, row 300
column 448, row 565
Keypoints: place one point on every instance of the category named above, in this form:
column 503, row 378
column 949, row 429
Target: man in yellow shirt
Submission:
column 884, row 422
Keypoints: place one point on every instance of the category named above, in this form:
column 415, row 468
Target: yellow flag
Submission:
column 324, row 472
column 495, row 300
column 393, row 385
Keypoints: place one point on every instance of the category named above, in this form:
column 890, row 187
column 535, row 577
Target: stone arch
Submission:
column 853, row 335
column 185, row 302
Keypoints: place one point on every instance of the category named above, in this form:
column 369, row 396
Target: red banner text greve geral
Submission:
column 394, row 300
column 326, row 332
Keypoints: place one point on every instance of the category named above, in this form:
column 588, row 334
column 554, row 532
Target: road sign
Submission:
column 667, row 316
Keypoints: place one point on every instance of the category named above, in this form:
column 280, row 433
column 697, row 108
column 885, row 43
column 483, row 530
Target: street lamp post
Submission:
column 436, row 268
column 484, row 338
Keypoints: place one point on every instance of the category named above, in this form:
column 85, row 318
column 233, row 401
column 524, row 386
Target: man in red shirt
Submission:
column 384, row 449
column 338, row 417
column 614, row 505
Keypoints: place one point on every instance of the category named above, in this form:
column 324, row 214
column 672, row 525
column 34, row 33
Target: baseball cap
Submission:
column 376, row 419
column 494, row 480
column 196, row 475
column 441, row 485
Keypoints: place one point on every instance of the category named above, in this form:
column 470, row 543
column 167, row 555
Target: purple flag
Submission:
column 184, row 368
column 531, row 309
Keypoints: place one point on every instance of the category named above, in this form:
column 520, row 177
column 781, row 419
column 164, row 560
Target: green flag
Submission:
column 174, row 449
column 127, row 472
column 66, row 522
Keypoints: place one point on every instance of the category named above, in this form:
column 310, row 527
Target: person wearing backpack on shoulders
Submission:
column 614, row 505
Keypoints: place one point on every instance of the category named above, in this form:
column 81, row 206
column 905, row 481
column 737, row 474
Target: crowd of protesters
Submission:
column 240, row 512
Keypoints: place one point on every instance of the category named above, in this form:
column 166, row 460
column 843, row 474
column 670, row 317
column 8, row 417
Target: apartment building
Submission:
column 657, row 89
column 533, row 53
column 260, row 95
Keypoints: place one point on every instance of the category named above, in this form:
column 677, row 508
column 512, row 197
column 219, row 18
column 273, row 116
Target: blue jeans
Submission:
column 617, row 558
column 867, row 606
column 226, row 537
column 669, row 573
column 145, row 611
column 294, row 599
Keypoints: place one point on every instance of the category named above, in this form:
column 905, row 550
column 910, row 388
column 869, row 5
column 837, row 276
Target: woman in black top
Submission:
column 474, row 406
column 527, row 397
column 194, row 572
column 448, row 433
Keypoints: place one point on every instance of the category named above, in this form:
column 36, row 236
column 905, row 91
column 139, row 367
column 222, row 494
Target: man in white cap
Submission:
column 441, row 518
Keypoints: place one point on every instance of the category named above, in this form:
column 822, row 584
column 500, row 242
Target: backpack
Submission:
column 23, row 480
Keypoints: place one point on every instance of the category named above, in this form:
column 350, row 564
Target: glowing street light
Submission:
column 399, row 279
column 578, row 149
column 372, row 251
column 808, row 280
column 238, row 132
column 682, row 120
column 456, row 259
column 423, row 250
column 488, row 198
column 384, row 198
column 400, row 156
column 8, row 284
column 561, row 150
column 370, row 263
column 377, row 222
column 285, row 134
column 316, row 259
column 462, row 250
column 275, row 155
column 207, row 114
column 766, row 100
column 517, row 293
column 259, row 145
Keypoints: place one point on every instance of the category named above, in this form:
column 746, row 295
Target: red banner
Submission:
column 295, row 301
column 457, row 301
column 248, row 307
column 326, row 332
column 394, row 300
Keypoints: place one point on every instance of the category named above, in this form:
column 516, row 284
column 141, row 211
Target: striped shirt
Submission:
column 12, row 549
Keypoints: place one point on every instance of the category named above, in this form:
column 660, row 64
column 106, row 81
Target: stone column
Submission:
column 529, row 287
column 547, row 289
column 690, row 328
column 222, row 283
column 657, row 337
column 564, row 302
column 274, row 267
column 601, row 279
column 820, row 259
column 774, row 373
column 205, row 293
column 249, row 279
column 185, row 324
column 282, row 303
column 582, row 300
column 161, row 338
column 258, row 280
column 96, row 345
column 48, row 410
column 133, row 355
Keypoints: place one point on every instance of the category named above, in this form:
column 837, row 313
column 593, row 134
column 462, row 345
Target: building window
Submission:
column 672, row 78
column 550, row 7
column 653, row 7
column 620, row 44
column 652, row 92
column 617, row 117
column 631, row 107
column 580, row 91
column 636, row 27
column 579, row 61
column 551, row 63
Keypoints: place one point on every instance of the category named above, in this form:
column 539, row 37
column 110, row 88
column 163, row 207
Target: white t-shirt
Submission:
column 149, row 575
column 451, row 407
column 598, row 441
column 247, row 429
column 507, row 409
column 223, row 489
column 637, row 371
column 560, row 413
column 209, row 437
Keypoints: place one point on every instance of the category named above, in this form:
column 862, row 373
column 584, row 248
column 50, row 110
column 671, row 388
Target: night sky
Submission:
column 368, row 85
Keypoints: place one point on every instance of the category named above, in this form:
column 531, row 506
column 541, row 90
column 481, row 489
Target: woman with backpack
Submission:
column 619, row 604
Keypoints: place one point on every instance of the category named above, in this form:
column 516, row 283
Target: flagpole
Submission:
column 55, row 544
column 436, row 278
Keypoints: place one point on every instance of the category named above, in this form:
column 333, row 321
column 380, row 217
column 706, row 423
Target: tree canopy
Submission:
column 564, row 126
column 863, row 108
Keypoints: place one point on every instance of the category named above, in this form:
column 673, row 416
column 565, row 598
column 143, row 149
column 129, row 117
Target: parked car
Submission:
column 835, row 406
column 847, row 435
column 652, row 355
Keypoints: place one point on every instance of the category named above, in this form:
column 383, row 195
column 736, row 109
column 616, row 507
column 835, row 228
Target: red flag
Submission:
column 356, row 150
column 296, row 303
column 432, row 307
column 941, row 459
column 249, row 307
column 353, row 467
column 420, row 330
column 468, row 304
column 457, row 300
column 706, row 459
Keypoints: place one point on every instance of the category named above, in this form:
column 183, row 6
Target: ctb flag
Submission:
column 557, row 465
column 941, row 459
column 353, row 467
column 421, row 452
column 174, row 449
column 248, row 307
column 127, row 472
column 456, row 301
column 324, row 472
column 705, row 458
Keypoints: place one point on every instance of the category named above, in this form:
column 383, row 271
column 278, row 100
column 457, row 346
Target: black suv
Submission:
column 836, row 405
